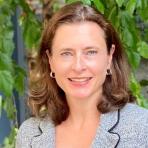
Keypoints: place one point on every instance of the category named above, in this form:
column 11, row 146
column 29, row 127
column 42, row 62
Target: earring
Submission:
column 52, row 74
column 108, row 72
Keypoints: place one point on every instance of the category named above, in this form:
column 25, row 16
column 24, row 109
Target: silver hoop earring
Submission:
column 108, row 72
column 52, row 74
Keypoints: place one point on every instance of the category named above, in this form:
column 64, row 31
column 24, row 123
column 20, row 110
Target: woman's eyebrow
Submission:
column 91, row 47
column 85, row 48
column 65, row 49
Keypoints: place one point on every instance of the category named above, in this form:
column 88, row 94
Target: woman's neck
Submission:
column 82, row 112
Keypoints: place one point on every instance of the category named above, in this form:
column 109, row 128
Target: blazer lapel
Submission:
column 105, row 136
column 47, row 137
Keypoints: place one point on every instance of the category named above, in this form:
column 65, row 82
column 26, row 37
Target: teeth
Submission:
column 79, row 79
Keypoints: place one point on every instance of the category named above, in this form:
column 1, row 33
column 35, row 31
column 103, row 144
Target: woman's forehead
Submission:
column 84, row 33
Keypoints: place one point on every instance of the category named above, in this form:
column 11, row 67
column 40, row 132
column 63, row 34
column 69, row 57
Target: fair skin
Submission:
column 79, row 60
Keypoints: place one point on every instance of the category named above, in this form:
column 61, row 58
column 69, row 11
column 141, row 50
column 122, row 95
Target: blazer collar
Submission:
column 46, row 139
column 105, row 136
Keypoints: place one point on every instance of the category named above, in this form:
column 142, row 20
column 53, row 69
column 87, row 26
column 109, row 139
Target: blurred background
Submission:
column 21, row 24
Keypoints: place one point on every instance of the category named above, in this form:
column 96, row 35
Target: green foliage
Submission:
column 87, row 2
column 6, row 84
column 19, row 79
column 119, row 2
column 9, row 141
column 6, row 63
column 11, row 75
column 136, row 90
column 142, row 48
column 6, row 68
column 99, row 5
column 127, row 16
column 31, row 26
column 31, row 30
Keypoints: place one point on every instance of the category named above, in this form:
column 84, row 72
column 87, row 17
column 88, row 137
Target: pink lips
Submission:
column 79, row 81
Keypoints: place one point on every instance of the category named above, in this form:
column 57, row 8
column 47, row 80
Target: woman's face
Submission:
column 80, row 59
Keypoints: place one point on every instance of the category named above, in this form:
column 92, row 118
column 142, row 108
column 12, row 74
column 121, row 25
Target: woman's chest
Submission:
column 74, row 139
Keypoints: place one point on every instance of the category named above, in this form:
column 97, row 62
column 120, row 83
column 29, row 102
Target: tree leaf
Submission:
column 143, row 13
column 1, row 1
column 119, row 2
column 127, row 38
column 143, row 49
column 25, row 6
column 131, row 5
column 9, row 107
column 19, row 79
column 6, row 83
column 134, row 58
column 19, row 76
column 129, row 30
column 136, row 90
column 87, row 2
column 70, row 1
column 134, row 85
column 99, row 5
column 113, row 16
column 8, row 46
column 142, row 6
column 5, row 62
column 19, row 83
column 6, row 40
column 31, row 32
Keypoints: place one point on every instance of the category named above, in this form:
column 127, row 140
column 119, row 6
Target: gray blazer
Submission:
column 125, row 128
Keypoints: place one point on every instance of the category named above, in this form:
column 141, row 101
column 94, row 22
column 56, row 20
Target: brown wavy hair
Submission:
column 47, row 98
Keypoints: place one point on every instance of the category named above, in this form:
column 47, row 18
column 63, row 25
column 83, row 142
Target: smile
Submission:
column 81, row 79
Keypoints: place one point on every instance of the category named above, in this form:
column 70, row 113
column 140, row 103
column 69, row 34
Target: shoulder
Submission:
column 29, row 129
column 134, row 113
column 128, row 116
column 133, row 124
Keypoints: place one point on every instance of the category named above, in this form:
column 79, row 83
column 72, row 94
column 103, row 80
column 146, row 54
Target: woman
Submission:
column 81, row 97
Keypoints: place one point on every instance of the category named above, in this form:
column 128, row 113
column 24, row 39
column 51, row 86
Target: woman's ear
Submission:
column 112, row 50
column 49, row 57
column 50, row 60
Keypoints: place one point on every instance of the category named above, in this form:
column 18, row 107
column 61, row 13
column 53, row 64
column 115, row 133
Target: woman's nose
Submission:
column 79, row 64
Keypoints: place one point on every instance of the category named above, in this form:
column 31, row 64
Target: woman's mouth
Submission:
column 80, row 79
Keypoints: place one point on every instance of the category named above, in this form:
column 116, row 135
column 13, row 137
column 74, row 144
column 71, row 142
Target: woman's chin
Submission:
column 80, row 95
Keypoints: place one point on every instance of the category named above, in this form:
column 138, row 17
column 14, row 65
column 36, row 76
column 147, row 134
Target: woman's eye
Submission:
column 66, row 54
column 92, row 52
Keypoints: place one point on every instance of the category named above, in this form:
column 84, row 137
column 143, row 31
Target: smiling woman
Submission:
column 81, row 89
column 83, row 59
